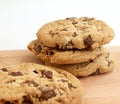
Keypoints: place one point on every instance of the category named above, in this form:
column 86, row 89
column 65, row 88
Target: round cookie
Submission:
column 74, row 32
column 30, row 83
column 102, row 64
column 57, row 56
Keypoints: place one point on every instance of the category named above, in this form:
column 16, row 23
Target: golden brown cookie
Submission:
column 57, row 56
column 30, row 83
column 102, row 64
column 74, row 32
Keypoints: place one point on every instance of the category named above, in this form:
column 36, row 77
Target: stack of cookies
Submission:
column 75, row 45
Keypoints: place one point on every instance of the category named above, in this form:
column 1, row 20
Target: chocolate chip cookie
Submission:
column 30, row 83
column 102, row 64
column 74, row 32
column 58, row 56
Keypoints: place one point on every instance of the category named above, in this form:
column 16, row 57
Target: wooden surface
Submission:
column 100, row 89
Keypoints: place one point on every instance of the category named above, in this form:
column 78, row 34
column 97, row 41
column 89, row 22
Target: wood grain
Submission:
column 100, row 89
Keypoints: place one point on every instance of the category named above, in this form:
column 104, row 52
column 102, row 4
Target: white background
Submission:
column 21, row 19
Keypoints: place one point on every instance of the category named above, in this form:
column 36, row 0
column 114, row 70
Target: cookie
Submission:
column 74, row 32
column 57, row 56
column 30, row 83
column 102, row 64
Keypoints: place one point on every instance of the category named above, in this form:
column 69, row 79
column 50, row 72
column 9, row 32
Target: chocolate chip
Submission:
column 109, row 63
column 88, row 41
column 27, row 100
column 97, row 72
column 70, row 86
column 16, row 74
column 60, row 101
column 30, row 82
column 74, row 22
column 4, row 69
column 91, row 60
column 11, row 81
column 51, row 52
column 63, row 80
column 37, row 48
column 64, row 29
column 75, row 34
column 35, row 71
column 52, row 33
column 47, row 74
column 70, row 42
column 47, row 93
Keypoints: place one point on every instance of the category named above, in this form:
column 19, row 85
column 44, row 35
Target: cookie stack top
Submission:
column 77, row 33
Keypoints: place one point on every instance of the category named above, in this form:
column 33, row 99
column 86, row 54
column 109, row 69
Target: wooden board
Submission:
column 100, row 89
